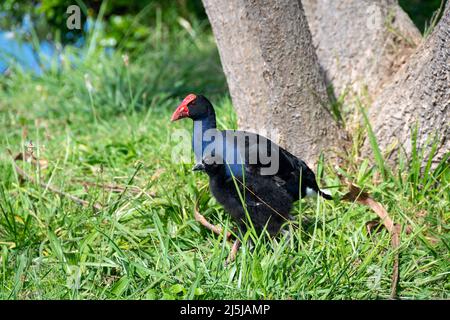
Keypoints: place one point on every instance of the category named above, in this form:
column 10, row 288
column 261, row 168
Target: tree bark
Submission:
column 273, row 73
column 360, row 43
column 418, row 93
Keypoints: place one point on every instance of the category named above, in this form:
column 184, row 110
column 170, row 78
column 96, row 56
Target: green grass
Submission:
column 148, row 245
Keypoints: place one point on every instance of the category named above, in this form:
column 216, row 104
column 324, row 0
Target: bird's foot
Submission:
column 233, row 252
column 216, row 229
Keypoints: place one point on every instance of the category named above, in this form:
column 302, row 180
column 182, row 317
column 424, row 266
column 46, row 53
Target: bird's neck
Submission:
column 201, row 126
column 204, row 124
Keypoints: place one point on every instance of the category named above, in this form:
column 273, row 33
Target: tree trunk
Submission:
column 419, row 92
column 273, row 72
column 360, row 43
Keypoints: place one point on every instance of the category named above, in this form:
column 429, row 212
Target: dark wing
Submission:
column 264, row 157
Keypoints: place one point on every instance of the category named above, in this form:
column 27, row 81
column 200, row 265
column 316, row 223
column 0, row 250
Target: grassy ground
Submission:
column 147, row 244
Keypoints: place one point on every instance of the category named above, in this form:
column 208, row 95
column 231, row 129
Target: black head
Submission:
column 194, row 107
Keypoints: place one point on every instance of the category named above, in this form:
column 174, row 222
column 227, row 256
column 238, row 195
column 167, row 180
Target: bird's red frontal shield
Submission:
column 183, row 110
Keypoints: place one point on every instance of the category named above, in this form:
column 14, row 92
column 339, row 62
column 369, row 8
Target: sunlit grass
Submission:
column 147, row 244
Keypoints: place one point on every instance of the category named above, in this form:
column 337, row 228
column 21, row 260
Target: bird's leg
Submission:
column 233, row 252
column 216, row 229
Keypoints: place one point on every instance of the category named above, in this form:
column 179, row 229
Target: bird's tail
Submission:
column 309, row 179
column 325, row 194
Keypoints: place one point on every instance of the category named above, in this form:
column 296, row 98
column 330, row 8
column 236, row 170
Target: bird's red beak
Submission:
column 183, row 110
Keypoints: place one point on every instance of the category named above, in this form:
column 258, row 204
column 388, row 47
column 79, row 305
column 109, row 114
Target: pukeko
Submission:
column 272, row 170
